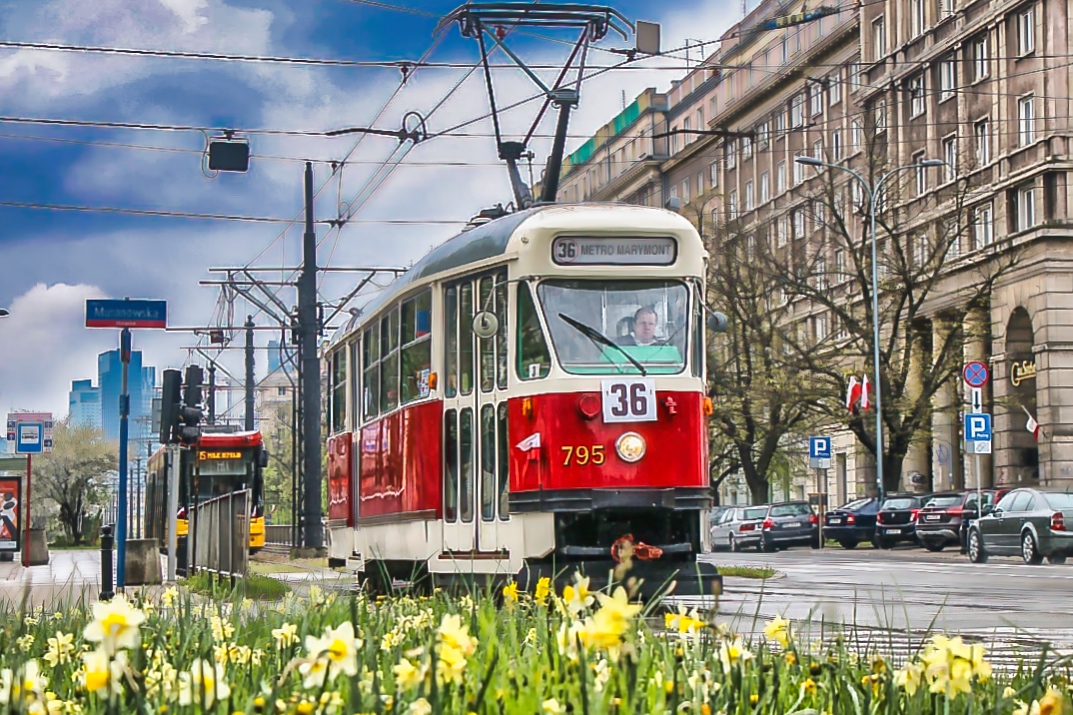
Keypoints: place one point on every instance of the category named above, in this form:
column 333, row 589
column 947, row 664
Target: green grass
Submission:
column 270, row 567
column 254, row 586
column 760, row 572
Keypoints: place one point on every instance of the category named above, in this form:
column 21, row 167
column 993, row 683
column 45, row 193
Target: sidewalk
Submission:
column 70, row 576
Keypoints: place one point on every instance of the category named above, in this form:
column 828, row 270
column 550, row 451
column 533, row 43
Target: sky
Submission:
column 51, row 261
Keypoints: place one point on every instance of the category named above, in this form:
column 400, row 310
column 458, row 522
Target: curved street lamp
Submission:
column 4, row 312
column 873, row 194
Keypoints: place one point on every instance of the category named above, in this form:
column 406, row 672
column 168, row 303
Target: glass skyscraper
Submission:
column 141, row 382
column 85, row 404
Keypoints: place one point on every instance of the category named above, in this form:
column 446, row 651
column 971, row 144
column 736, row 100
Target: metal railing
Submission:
column 221, row 534
column 279, row 534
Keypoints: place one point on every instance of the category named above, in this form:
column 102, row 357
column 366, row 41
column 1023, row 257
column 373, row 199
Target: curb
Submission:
column 743, row 579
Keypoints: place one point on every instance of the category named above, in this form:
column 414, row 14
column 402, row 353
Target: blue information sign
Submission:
column 126, row 314
column 30, row 438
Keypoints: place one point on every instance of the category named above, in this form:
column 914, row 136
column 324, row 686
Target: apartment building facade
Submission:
column 981, row 85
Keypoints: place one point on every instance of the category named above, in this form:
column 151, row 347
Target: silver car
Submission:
column 738, row 527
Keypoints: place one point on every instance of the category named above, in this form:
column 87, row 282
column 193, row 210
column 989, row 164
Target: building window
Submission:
column 732, row 154
column 1026, row 31
column 921, row 174
column 834, row 88
column 732, row 205
column 836, row 144
column 819, row 322
column 1026, row 121
column 700, row 118
column 1026, row 208
column 840, row 266
column 713, row 172
column 982, row 133
column 748, row 196
column 685, row 191
column 918, row 17
column 780, row 178
column 686, row 138
column 798, row 217
column 881, row 115
column 980, row 58
column 780, row 232
column 780, row 122
column 950, row 157
column 983, row 228
column 879, row 39
column 916, row 96
column 700, row 183
column 765, row 187
column 712, row 107
column 947, row 79
column 797, row 111
column 946, row 7
column 920, row 250
column 746, row 148
column 856, row 134
column 854, row 72
column 799, row 170
column 763, row 135
column 817, row 149
column 815, row 100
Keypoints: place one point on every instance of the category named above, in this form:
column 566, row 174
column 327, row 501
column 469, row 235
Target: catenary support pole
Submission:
column 310, row 366
column 249, row 374
column 26, row 531
column 124, row 414
column 212, row 393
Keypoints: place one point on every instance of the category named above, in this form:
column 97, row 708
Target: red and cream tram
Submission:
column 526, row 400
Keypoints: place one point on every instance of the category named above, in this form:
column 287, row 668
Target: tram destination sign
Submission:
column 614, row 251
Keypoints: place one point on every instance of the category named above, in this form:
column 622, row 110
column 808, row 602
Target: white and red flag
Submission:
column 865, row 404
column 853, row 393
column 1032, row 426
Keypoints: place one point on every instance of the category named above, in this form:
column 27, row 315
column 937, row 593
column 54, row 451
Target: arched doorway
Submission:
column 1021, row 373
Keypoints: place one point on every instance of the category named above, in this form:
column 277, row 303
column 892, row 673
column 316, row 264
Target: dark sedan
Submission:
column 897, row 519
column 789, row 524
column 852, row 523
column 942, row 521
column 1029, row 522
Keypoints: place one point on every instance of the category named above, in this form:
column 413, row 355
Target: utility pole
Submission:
column 124, row 415
column 309, row 328
column 212, row 393
column 249, row 372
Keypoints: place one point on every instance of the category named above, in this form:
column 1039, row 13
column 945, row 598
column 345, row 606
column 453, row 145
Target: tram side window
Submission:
column 450, row 305
column 700, row 350
column 450, row 472
column 488, row 463
column 339, row 391
column 534, row 360
column 486, row 346
column 416, row 347
column 371, row 363
column 503, row 464
column 466, row 337
column 501, row 335
column 389, row 363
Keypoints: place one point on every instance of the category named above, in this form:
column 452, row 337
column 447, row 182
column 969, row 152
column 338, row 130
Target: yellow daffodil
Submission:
column 453, row 634
column 419, row 707
column 205, row 682
column 733, row 652
column 808, row 687
column 543, row 589
column 222, row 630
column 778, row 630
column 909, row 678
column 577, row 597
column 552, row 707
column 169, row 597
column 101, row 672
column 60, row 648
column 684, row 622
column 115, row 625
column 510, row 592
column 286, row 635
column 407, row 675
column 25, row 642
column 1053, row 703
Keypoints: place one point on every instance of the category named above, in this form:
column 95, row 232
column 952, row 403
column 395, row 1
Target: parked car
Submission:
column 1029, row 522
column 896, row 520
column 738, row 528
column 943, row 520
column 789, row 524
column 852, row 523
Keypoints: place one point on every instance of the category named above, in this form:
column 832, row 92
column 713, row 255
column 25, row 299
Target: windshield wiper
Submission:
column 597, row 337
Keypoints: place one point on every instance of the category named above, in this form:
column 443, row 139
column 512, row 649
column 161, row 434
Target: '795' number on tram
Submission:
column 629, row 400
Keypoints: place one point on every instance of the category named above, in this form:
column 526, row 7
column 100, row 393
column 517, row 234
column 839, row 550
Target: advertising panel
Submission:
column 10, row 501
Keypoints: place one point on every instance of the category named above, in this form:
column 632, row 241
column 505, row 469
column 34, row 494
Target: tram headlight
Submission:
column 630, row 447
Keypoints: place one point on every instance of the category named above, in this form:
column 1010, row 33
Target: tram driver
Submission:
column 645, row 322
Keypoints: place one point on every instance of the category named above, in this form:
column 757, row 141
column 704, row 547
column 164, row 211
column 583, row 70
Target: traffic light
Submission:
column 171, row 398
column 190, row 412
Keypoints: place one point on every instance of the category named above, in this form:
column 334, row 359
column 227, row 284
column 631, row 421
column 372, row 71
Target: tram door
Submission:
column 475, row 419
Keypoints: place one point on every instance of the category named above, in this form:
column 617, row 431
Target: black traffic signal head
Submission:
column 190, row 412
column 169, row 405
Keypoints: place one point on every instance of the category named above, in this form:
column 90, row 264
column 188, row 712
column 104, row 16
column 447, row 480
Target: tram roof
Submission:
column 477, row 244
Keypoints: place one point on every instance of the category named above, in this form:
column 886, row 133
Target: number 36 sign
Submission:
column 629, row 400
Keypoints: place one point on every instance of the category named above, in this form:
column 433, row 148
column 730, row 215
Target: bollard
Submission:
column 107, row 584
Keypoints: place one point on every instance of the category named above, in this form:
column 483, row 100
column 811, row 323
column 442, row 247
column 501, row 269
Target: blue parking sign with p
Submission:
column 819, row 447
column 978, row 427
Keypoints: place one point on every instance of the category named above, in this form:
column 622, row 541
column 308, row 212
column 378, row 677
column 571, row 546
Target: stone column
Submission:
column 1053, row 358
column 946, row 442
column 978, row 331
column 916, row 468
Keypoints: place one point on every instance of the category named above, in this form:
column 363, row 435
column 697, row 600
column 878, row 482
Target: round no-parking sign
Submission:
column 975, row 374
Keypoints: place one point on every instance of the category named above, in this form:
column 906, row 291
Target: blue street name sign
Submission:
column 126, row 314
column 30, row 438
column 819, row 452
column 978, row 433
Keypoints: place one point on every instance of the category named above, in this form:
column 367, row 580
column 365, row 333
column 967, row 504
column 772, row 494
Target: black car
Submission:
column 852, row 523
column 897, row 519
column 789, row 524
column 942, row 522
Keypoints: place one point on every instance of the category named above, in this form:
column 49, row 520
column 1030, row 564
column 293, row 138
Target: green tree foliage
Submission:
column 73, row 475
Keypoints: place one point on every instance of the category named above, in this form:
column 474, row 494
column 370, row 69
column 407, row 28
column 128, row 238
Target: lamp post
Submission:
column 873, row 194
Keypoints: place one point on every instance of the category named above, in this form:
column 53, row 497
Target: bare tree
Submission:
column 73, row 474
column 761, row 400
column 925, row 251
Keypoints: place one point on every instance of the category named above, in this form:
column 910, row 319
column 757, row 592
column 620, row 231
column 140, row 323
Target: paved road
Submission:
column 1004, row 602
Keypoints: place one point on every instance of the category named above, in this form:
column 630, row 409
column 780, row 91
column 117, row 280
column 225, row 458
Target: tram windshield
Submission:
column 612, row 327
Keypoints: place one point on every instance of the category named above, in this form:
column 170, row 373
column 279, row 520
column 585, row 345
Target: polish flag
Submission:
column 853, row 393
column 865, row 404
column 1032, row 425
